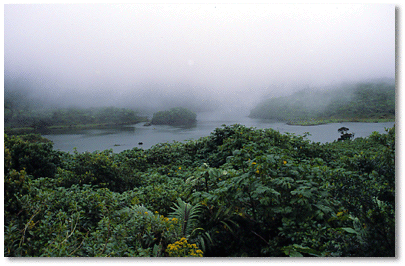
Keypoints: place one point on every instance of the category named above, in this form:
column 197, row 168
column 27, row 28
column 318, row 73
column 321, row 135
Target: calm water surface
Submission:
column 128, row 137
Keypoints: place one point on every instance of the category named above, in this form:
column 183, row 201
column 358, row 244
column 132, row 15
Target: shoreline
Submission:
column 317, row 122
column 28, row 130
column 309, row 122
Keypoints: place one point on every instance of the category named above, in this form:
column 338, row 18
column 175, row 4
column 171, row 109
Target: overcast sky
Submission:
column 222, row 48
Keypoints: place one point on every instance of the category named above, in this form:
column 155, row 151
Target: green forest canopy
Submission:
column 237, row 192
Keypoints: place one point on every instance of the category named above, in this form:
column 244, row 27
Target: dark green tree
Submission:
column 174, row 116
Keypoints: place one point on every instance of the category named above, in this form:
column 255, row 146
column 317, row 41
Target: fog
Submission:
column 202, row 56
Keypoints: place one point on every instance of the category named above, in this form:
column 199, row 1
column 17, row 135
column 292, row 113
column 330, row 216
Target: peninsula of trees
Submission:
column 27, row 120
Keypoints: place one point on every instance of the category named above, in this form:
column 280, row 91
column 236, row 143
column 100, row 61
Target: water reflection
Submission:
column 96, row 131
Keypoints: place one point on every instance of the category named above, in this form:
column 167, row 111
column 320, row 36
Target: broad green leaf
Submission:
column 349, row 230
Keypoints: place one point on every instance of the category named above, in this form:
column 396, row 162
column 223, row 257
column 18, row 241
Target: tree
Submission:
column 344, row 134
column 174, row 116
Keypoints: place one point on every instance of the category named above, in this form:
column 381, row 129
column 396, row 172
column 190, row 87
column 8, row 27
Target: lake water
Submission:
column 128, row 137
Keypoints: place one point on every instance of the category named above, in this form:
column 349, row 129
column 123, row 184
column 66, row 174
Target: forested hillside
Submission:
column 237, row 192
column 361, row 102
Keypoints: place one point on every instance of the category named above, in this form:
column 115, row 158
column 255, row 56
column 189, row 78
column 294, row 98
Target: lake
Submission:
column 127, row 137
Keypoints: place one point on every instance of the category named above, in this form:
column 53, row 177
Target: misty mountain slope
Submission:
column 299, row 105
column 363, row 100
column 28, row 93
column 367, row 100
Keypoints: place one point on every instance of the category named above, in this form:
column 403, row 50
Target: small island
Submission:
column 178, row 116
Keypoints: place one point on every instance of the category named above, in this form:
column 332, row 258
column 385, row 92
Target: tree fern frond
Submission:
column 187, row 215
column 226, row 225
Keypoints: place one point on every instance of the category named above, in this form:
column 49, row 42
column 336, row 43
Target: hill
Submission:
column 358, row 102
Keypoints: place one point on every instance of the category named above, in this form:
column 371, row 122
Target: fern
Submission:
column 187, row 215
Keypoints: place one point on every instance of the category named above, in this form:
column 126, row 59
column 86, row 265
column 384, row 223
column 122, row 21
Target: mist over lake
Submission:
column 200, row 130
column 123, row 138
column 218, row 60
column 150, row 57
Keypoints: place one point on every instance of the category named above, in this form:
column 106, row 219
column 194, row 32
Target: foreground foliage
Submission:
column 238, row 192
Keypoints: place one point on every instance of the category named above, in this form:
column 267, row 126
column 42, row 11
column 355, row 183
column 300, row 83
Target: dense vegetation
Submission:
column 364, row 102
column 32, row 119
column 238, row 192
column 174, row 116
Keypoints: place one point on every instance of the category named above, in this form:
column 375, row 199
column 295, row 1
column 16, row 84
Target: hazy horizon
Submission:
column 151, row 55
